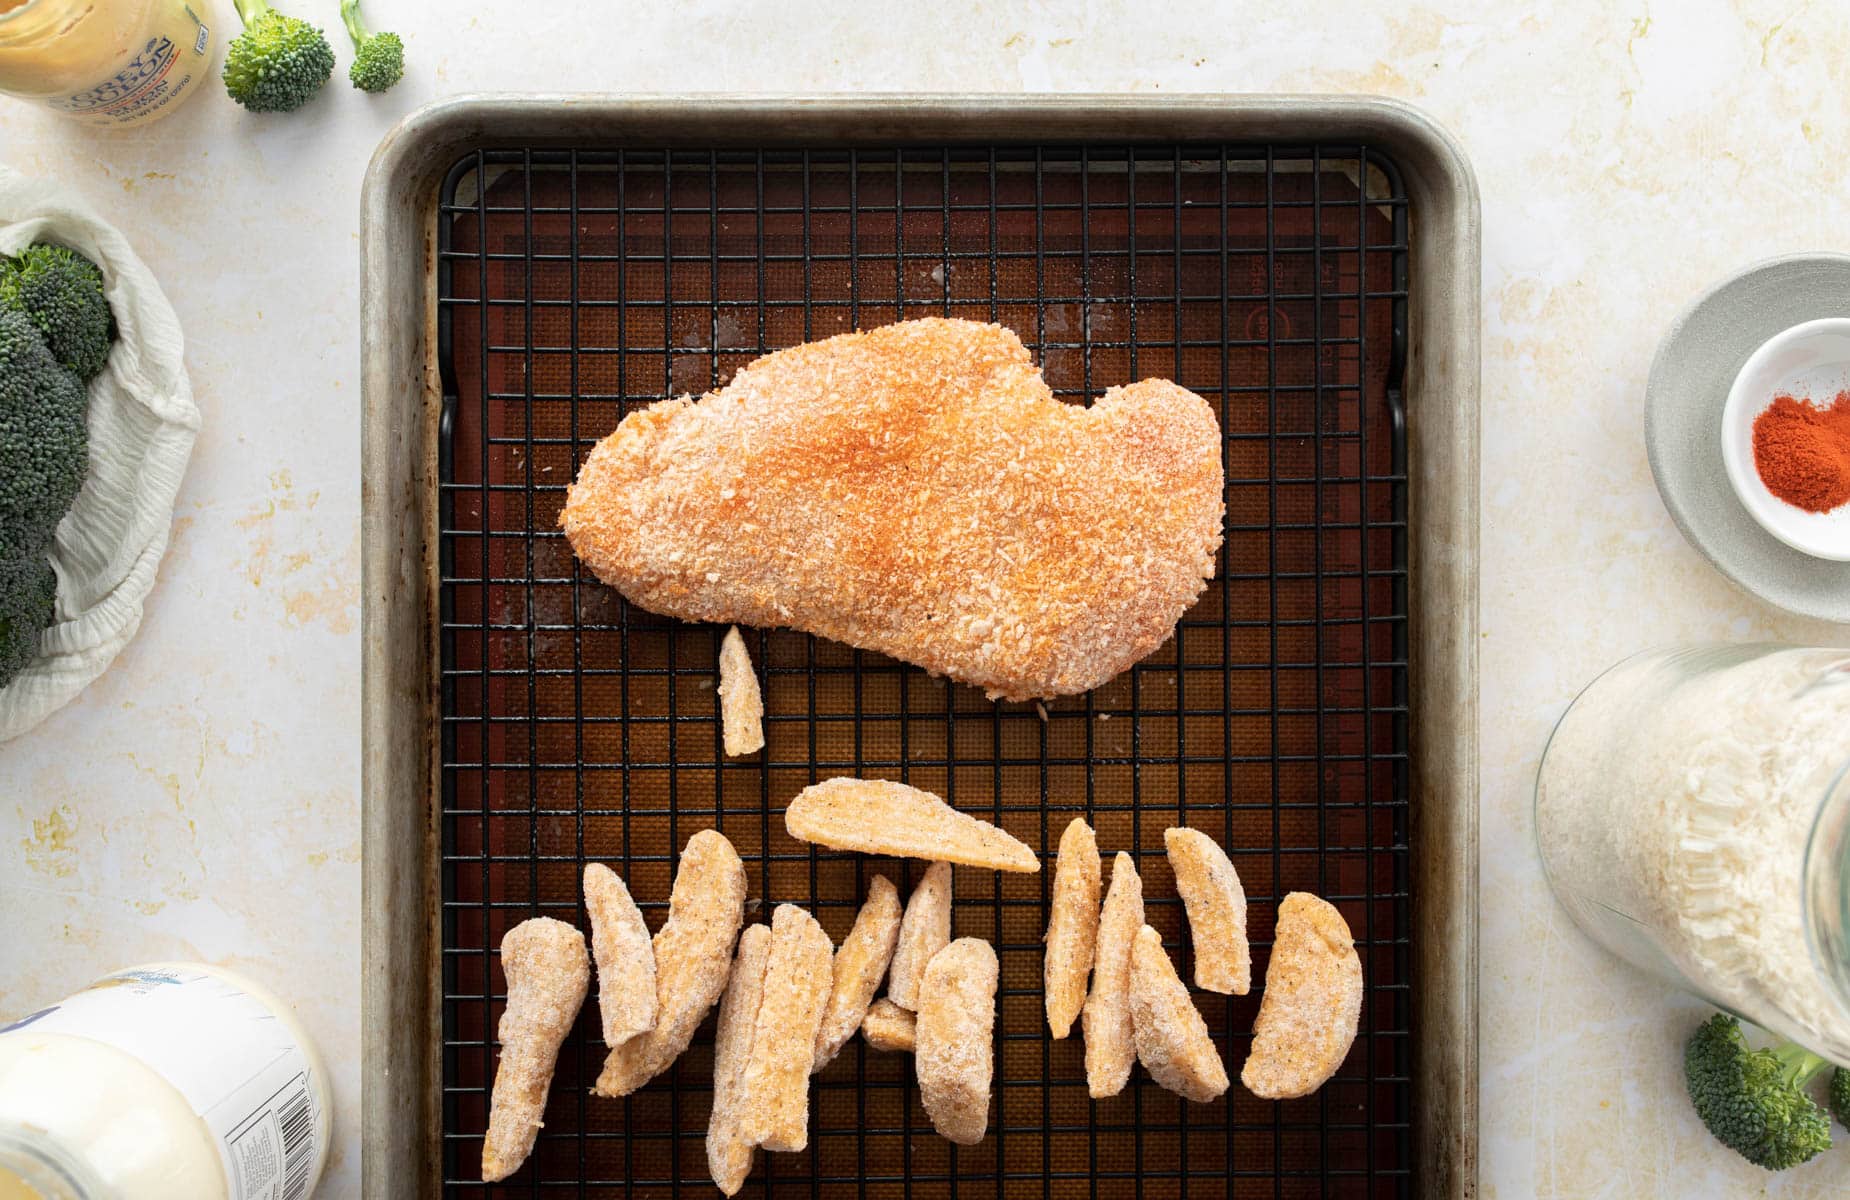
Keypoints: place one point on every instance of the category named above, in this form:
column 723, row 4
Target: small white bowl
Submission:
column 1809, row 361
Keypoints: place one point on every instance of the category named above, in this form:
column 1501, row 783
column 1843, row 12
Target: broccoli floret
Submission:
column 62, row 292
column 44, row 443
column 1754, row 1101
column 1840, row 1097
column 28, row 603
column 278, row 63
column 378, row 58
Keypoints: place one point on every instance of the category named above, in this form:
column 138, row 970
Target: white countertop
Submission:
column 202, row 800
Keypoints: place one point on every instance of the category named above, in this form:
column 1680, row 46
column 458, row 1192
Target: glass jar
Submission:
column 112, row 63
column 1693, row 814
column 172, row 1081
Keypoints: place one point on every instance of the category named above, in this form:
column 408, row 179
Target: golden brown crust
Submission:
column 954, row 1052
column 741, row 704
column 1172, row 1039
column 1216, row 904
column 878, row 816
column 1312, row 1004
column 860, row 965
column 889, row 1027
column 693, row 953
column 774, row 1102
column 1111, row 1045
column 729, row 1155
column 923, row 931
column 547, row 977
column 1072, row 926
column 625, row 960
column 916, row 490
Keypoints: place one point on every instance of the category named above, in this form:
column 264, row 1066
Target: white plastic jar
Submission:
column 171, row 1081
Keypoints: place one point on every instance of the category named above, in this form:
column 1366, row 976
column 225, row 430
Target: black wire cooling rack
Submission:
column 577, row 285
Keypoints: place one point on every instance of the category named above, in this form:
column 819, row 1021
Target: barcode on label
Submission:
column 298, row 1125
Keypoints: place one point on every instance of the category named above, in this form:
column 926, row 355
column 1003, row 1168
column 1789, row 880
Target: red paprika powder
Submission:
column 1802, row 451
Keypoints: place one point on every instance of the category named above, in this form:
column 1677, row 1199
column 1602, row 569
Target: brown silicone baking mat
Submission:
column 575, row 286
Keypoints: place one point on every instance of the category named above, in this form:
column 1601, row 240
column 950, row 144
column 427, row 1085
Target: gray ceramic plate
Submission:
column 1695, row 365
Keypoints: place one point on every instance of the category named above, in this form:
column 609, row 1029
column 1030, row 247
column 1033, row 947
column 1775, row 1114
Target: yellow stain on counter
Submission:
column 52, row 848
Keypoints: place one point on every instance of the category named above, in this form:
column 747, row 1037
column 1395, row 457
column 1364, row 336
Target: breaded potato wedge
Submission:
column 1312, row 1004
column 774, row 1105
column 741, row 704
column 625, row 960
column 954, row 1052
column 693, row 955
column 877, row 816
column 547, row 977
column 729, row 1155
column 1172, row 1039
column 1111, row 1046
column 860, row 965
column 887, row 1026
column 1072, row 926
column 923, row 931
column 1216, row 904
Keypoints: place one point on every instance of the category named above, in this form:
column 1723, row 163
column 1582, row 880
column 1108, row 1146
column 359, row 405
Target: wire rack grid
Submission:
column 575, row 286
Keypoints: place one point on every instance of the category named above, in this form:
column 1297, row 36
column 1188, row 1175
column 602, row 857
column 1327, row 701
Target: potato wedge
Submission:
column 741, row 704
column 860, row 965
column 1172, row 1040
column 693, row 955
column 625, row 960
column 547, row 977
column 954, row 1052
column 887, row 1026
column 1216, row 904
column 1072, row 926
column 1111, row 1046
column 923, row 931
column 729, row 1155
column 774, row 1105
column 1312, row 1004
column 877, row 816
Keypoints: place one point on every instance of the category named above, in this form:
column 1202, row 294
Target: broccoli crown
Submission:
column 278, row 63
column 1840, row 1096
column 378, row 63
column 1754, row 1101
column 28, row 603
column 61, row 291
column 44, row 443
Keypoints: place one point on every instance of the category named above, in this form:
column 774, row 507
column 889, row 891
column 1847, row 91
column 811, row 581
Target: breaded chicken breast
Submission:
column 916, row 490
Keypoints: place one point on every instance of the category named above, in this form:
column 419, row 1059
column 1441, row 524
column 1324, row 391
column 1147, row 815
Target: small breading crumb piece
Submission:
column 887, row 1026
column 923, row 931
column 1072, row 926
column 954, row 1052
column 547, row 977
column 1111, row 1045
column 693, row 955
column 774, row 1110
column 625, row 960
column 1172, row 1039
column 1312, row 1004
column 1216, row 904
column 860, row 965
column 729, row 1156
column 741, row 705
column 877, row 816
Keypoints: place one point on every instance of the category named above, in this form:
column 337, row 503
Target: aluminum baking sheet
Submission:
column 567, row 275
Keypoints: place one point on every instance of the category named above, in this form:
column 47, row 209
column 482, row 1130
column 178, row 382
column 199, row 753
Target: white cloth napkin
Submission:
column 142, row 426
